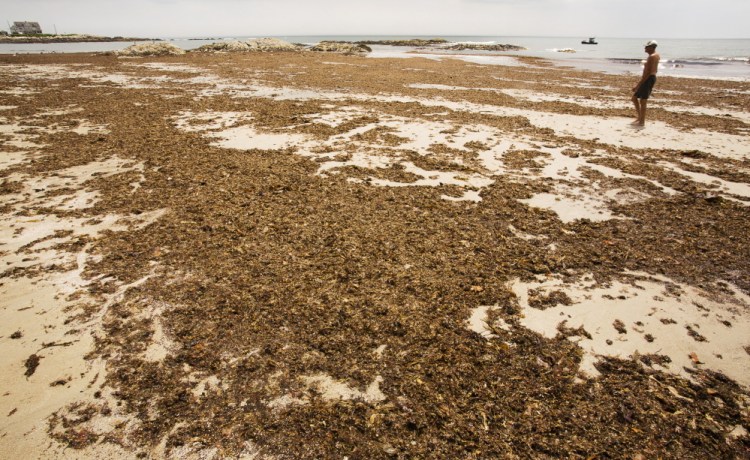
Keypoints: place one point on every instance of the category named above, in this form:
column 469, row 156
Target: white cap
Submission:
column 651, row 43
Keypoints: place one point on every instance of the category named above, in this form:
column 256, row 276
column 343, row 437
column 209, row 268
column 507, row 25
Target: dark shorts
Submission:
column 644, row 91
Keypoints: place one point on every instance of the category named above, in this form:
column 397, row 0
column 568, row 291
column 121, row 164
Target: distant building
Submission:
column 26, row 28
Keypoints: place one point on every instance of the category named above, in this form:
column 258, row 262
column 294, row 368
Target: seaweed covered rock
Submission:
column 272, row 44
column 260, row 44
column 409, row 42
column 151, row 49
column 230, row 46
column 339, row 47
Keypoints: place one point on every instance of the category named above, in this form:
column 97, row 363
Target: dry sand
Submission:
column 298, row 256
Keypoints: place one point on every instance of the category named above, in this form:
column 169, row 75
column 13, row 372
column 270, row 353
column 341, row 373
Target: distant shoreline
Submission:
column 70, row 39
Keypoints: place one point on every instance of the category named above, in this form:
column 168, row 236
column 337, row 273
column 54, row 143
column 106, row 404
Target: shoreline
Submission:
column 313, row 254
column 49, row 39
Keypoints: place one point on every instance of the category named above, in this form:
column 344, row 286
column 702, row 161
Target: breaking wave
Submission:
column 712, row 61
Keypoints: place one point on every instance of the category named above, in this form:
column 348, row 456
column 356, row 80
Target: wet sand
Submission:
column 296, row 255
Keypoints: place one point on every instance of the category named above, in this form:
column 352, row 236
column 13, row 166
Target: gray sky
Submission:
column 221, row 18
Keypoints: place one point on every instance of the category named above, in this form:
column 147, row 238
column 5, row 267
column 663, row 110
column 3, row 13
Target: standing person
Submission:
column 642, row 90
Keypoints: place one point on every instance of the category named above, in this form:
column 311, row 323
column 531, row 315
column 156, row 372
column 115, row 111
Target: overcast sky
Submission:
column 194, row 18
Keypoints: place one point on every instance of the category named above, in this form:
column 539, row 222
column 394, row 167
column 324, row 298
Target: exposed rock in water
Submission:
column 339, row 47
column 260, row 44
column 482, row 47
column 151, row 49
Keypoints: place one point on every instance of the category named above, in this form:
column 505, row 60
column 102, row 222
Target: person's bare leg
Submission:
column 637, row 104
column 642, row 113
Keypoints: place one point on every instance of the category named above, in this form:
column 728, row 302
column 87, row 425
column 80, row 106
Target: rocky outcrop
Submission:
column 224, row 47
column 341, row 47
column 257, row 45
column 272, row 44
column 151, row 49
column 482, row 47
column 410, row 42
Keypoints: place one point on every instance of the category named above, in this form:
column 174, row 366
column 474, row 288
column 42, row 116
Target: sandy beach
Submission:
column 313, row 255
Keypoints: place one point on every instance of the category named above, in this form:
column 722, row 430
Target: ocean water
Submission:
column 709, row 58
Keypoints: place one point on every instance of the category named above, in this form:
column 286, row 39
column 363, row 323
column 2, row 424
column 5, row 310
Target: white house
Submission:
column 26, row 28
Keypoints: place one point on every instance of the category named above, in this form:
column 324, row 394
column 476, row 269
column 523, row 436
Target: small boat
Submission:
column 590, row 41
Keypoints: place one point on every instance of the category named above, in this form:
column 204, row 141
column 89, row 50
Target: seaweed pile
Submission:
column 312, row 315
